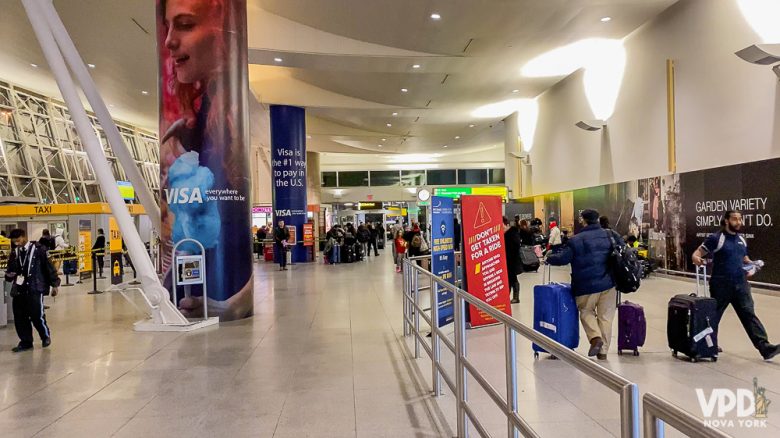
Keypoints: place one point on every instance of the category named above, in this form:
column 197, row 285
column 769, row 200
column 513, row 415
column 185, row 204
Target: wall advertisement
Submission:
column 484, row 255
column 673, row 214
column 204, row 163
column 443, row 254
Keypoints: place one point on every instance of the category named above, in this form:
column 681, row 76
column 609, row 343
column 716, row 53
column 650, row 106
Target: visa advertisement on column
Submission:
column 204, row 165
column 443, row 254
column 484, row 255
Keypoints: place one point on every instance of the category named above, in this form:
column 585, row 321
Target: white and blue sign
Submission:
column 288, row 170
column 443, row 254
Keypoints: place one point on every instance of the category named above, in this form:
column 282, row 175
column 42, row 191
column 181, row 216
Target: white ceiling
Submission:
column 345, row 61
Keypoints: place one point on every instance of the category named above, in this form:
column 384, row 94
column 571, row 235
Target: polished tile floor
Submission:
column 324, row 357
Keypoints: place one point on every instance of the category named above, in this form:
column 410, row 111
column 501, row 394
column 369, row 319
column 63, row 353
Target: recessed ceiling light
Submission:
column 515, row 91
column 457, row 137
column 389, row 125
column 145, row 93
column 605, row 19
column 379, row 145
column 436, row 16
column 308, row 136
column 445, row 146
column 278, row 60
column 395, row 114
column 91, row 65
column 384, row 139
column 34, row 65
column 472, row 125
column 416, row 66
column 404, row 90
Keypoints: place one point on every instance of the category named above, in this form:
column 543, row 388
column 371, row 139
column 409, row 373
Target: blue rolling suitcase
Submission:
column 555, row 314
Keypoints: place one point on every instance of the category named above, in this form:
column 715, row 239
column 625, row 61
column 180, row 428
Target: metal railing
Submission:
column 658, row 412
column 508, row 403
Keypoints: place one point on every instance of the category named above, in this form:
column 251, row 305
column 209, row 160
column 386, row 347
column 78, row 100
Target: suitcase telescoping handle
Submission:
column 701, row 281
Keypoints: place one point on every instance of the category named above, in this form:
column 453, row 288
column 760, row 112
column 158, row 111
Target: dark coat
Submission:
column 588, row 252
column 99, row 248
column 42, row 273
column 526, row 237
column 281, row 235
column 512, row 246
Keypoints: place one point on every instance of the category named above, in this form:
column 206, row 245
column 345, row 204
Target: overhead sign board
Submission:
column 457, row 192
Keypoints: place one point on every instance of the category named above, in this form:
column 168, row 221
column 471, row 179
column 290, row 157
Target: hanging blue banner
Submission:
column 443, row 254
column 288, row 171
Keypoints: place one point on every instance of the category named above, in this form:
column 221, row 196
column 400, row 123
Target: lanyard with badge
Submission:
column 26, row 262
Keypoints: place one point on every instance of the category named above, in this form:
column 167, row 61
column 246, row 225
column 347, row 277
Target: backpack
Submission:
column 416, row 241
column 626, row 269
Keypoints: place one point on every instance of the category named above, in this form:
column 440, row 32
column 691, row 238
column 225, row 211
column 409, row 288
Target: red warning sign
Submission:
column 484, row 255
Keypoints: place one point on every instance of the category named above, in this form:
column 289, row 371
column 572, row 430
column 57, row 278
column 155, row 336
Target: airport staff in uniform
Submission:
column 728, row 282
column 33, row 275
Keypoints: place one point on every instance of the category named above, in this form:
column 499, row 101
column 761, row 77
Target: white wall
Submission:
column 728, row 111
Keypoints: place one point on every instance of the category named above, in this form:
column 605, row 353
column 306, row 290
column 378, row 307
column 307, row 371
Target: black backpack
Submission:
column 626, row 269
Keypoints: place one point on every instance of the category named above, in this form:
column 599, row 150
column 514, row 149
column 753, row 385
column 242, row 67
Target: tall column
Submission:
column 204, row 149
column 288, row 171
column 512, row 151
column 314, row 185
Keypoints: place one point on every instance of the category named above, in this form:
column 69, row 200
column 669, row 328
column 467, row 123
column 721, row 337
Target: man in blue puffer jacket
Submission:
column 591, row 280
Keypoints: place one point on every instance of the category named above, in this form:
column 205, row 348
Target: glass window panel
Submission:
column 61, row 192
column 36, row 162
column 472, row 176
column 5, row 186
column 79, row 191
column 353, row 179
column 497, row 176
column 86, row 169
column 17, row 161
column 52, row 159
column 382, row 178
column 413, row 177
column 442, row 177
column 70, row 163
column 47, row 195
column 94, row 194
column 25, row 187
column 328, row 179
column 119, row 173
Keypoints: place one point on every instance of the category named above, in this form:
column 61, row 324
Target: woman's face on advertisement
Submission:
column 193, row 29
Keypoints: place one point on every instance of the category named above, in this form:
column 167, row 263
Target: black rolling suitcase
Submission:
column 359, row 252
column 348, row 254
column 691, row 328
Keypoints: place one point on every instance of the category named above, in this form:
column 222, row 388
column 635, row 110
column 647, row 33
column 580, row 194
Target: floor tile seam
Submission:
column 438, row 418
column 253, row 352
column 295, row 370
column 134, row 415
column 37, row 391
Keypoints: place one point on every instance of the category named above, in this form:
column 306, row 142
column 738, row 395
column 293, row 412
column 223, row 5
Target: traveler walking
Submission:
column 728, row 282
column 373, row 232
column 364, row 237
column 47, row 241
column 399, row 250
column 32, row 276
column 604, row 222
column 281, row 234
column 554, row 241
column 513, row 264
column 592, row 284
column 99, row 251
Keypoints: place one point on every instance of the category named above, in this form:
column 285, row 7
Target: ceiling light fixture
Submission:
column 761, row 15
column 389, row 125
column 445, row 146
column 91, row 65
column 395, row 114
column 416, row 66
column 515, row 91
column 278, row 60
column 404, row 90
column 457, row 137
column 472, row 125
column 384, row 139
column 33, row 65
column 606, row 19
column 435, row 16
column 144, row 92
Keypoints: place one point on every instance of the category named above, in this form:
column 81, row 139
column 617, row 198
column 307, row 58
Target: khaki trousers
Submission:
column 597, row 311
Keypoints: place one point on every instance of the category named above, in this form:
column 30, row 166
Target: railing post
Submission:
column 405, row 298
column 415, row 286
column 435, row 344
column 629, row 411
column 510, row 349
column 460, row 369
column 654, row 426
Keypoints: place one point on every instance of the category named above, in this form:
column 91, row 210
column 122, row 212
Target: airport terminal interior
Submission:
column 407, row 218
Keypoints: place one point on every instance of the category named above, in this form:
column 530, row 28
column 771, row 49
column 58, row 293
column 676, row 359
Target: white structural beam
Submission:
column 164, row 313
column 79, row 69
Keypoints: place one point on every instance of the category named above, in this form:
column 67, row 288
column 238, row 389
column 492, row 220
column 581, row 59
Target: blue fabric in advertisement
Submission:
column 443, row 254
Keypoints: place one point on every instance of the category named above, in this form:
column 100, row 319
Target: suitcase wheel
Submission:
column 620, row 352
column 536, row 355
column 552, row 357
column 714, row 359
column 636, row 352
column 694, row 360
column 674, row 353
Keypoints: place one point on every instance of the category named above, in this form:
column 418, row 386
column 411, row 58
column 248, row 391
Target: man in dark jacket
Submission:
column 374, row 230
column 281, row 234
column 99, row 250
column 33, row 276
column 591, row 279
column 513, row 264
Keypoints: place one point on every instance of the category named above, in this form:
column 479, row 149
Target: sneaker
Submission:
column 601, row 356
column 595, row 346
column 770, row 351
column 515, row 301
column 19, row 348
column 46, row 342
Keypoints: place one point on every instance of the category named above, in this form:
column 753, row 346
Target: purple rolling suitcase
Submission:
column 632, row 327
column 555, row 313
